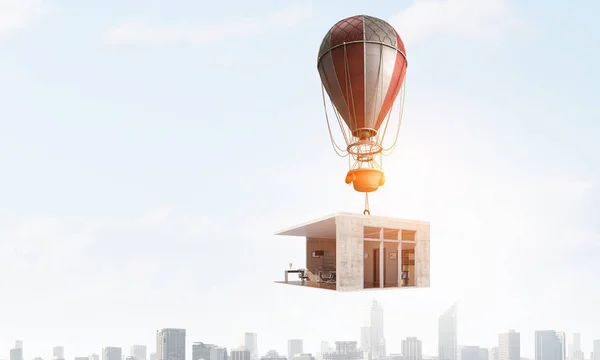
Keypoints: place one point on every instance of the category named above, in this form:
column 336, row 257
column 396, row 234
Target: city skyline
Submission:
column 508, row 345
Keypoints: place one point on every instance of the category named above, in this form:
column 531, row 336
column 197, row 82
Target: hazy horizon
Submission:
column 149, row 151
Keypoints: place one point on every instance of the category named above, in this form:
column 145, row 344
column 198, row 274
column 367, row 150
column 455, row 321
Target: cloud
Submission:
column 480, row 19
column 16, row 15
column 140, row 31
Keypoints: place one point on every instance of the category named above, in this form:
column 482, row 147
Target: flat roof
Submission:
column 324, row 227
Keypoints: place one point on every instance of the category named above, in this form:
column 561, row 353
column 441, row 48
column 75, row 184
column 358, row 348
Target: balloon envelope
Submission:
column 362, row 64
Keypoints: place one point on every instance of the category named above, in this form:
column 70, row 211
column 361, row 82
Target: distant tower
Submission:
column 17, row 352
column 58, row 352
column 596, row 350
column 251, row 344
column 562, row 337
column 170, row 344
column 295, row 346
column 494, row 354
column 201, row 351
column 377, row 338
column 240, row 354
column 447, row 334
column 412, row 349
column 218, row 353
column 509, row 346
column 474, row 353
column 576, row 342
column 547, row 345
column 112, row 353
column 138, row 352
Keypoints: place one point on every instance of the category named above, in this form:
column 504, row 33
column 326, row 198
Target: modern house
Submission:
column 349, row 252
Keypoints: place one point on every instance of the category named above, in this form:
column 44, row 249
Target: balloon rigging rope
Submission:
column 338, row 150
column 401, row 114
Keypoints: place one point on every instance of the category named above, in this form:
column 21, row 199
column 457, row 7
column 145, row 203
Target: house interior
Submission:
column 386, row 264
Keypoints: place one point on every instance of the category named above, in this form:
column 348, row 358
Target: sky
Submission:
column 149, row 150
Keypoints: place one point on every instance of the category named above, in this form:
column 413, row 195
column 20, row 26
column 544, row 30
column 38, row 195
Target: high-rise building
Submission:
column 295, row 346
column 474, row 353
column 596, row 350
column 58, row 352
column 365, row 339
column 273, row 355
column 547, row 345
column 112, row 353
column 447, row 334
column 18, row 344
column 218, row 353
column 377, row 338
column 240, row 354
column 562, row 337
column 576, row 342
column 344, row 350
column 94, row 357
column 81, row 358
column 509, row 346
column 170, row 344
column 153, row 356
column 578, row 355
column 138, row 352
column 412, row 349
column 494, row 354
column 324, row 348
column 251, row 344
column 201, row 351
column 16, row 354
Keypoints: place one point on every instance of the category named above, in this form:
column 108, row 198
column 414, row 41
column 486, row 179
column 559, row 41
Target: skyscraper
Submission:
column 493, row 355
column 412, row 349
column 547, row 345
column 295, row 346
column 562, row 337
column 509, row 346
column 273, row 355
column 94, row 357
column 201, row 351
column 344, row 350
column 474, row 353
column 240, row 354
column 365, row 338
column 112, row 353
column 576, row 342
column 377, row 338
column 138, row 352
column 16, row 354
column 447, row 334
column 58, row 352
column 596, row 350
column 218, row 353
column 251, row 344
column 170, row 344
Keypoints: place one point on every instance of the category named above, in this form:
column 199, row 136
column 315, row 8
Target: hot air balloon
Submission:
column 362, row 65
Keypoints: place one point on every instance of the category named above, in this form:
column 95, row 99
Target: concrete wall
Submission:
column 349, row 253
column 314, row 244
column 422, row 259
